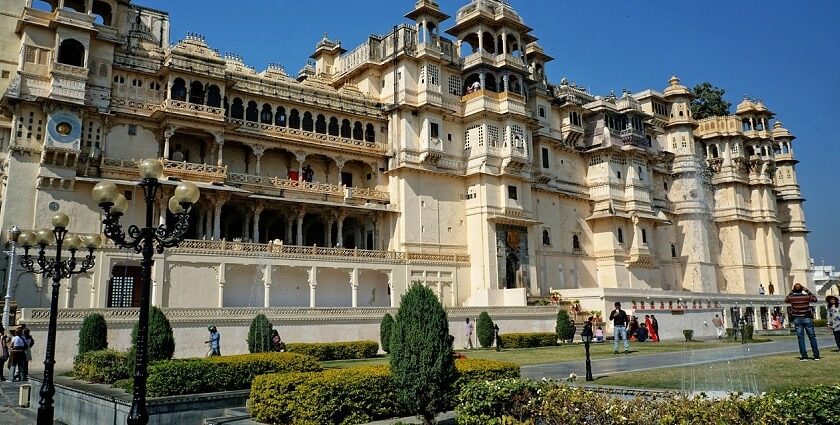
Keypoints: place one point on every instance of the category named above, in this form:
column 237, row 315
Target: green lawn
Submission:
column 565, row 353
column 776, row 372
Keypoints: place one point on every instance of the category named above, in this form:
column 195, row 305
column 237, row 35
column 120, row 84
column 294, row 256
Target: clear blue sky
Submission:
column 782, row 52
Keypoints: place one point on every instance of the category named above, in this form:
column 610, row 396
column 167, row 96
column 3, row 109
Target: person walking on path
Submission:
column 833, row 313
column 654, row 329
column 215, row 337
column 620, row 320
column 468, row 331
column 718, row 323
column 800, row 300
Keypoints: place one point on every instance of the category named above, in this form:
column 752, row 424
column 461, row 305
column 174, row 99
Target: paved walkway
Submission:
column 630, row 362
column 10, row 414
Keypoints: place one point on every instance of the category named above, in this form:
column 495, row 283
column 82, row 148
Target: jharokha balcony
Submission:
column 126, row 169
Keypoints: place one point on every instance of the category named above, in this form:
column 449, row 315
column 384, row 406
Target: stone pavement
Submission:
column 631, row 362
column 10, row 413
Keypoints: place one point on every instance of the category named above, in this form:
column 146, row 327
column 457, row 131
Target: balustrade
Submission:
column 308, row 137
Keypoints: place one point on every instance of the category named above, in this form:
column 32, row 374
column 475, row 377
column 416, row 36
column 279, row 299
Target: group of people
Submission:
column 15, row 353
column 802, row 317
column 277, row 344
column 627, row 328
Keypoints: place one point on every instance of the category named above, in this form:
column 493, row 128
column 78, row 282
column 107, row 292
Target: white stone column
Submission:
column 313, row 283
column 217, row 218
column 158, row 276
column 267, row 281
column 328, row 235
column 163, row 204
column 257, row 209
column 504, row 42
column 480, row 40
column 258, row 150
column 221, row 282
column 393, row 295
column 354, row 286
column 340, row 234
column 220, row 143
column 167, row 134
column 68, row 290
column 289, row 226
column 299, row 240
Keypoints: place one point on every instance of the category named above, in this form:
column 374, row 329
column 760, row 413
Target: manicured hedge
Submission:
column 528, row 340
column 336, row 350
column 348, row 396
column 524, row 401
column 102, row 366
column 226, row 373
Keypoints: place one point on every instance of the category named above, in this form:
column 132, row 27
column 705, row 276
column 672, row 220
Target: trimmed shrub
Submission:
column 161, row 343
column 730, row 333
column 259, row 335
column 385, row 328
column 484, row 329
column 820, row 323
column 421, row 355
column 336, row 350
column 748, row 332
column 524, row 401
column 564, row 329
column 101, row 366
column 528, row 340
column 350, row 396
column 688, row 334
column 224, row 373
column 93, row 336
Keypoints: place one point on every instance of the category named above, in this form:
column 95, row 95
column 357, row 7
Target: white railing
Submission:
column 307, row 136
column 179, row 105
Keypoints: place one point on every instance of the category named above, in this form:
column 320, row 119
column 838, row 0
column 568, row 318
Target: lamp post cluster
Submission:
column 145, row 240
column 56, row 268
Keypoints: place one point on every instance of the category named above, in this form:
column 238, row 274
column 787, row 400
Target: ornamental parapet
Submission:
column 305, row 137
column 192, row 109
column 488, row 101
column 126, row 169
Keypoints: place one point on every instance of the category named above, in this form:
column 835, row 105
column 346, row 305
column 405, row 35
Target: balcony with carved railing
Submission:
column 511, row 61
column 477, row 58
column 68, row 82
column 313, row 253
column 305, row 137
column 488, row 101
column 632, row 137
column 300, row 189
column 571, row 133
column 126, row 169
column 192, row 109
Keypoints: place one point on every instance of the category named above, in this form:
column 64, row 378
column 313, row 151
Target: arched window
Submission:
column 620, row 235
column 321, row 124
column 71, row 52
column 307, row 121
column 214, row 96
column 644, row 236
column 280, row 117
column 333, row 129
column 745, row 125
column 179, row 90
column 370, row 134
column 546, row 237
column 673, row 251
column 294, row 119
column 102, row 13
column 251, row 113
column 358, row 132
column 266, row 117
column 345, row 129
column 75, row 5
column 714, row 151
column 575, row 242
column 197, row 92
column 237, row 111
column 47, row 6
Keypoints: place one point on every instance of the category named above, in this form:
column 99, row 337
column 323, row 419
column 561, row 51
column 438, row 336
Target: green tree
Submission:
column 386, row 326
column 259, row 335
column 708, row 101
column 93, row 336
column 484, row 330
column 161, row 342
column 565, row 329
column 422, row 364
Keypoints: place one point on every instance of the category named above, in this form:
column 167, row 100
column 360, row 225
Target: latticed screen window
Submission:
column 123, row 288
column 517, row 136
column 433, row 74
column 30, row 54
column 473, row 134
column 455, row 85
column 480, row 135
column 493, row 132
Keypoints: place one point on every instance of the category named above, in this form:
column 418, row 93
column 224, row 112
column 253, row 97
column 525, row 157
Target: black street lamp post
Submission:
column 587, row 339
column 146, row 241
column 56, row 268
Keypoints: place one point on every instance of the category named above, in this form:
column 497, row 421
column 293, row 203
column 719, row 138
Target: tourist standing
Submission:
column 17, row 357
column 30, row 342
column 760, row 289
column 654, row 328
column 800, row 299
column 215, row 337
column 4, row 352
column 833, row 312
column 771, row 288
column 718, row 323
column 620, row 320
column 468, row 331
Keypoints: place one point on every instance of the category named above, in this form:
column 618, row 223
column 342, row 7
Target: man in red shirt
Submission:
column 800, row 300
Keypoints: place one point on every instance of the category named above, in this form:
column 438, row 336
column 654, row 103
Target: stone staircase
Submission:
column 235, row 416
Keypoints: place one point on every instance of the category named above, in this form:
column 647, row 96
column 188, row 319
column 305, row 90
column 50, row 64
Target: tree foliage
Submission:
column 708, row 101
column 564, row 329
column 259, row 335
column 484, row 329
column 386, row 326
column 161, row 342
column 93, row 336
column 421, row 354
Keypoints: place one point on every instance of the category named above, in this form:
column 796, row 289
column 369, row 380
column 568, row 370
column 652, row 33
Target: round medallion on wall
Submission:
column 53, row 206
column 64, row 128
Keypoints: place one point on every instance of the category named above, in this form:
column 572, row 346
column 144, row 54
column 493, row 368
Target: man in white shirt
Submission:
column 468, row 330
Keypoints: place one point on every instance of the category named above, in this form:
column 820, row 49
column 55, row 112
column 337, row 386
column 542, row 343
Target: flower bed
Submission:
column 348, row 396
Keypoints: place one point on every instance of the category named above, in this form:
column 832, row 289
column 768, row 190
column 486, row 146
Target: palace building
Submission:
column 437, row 152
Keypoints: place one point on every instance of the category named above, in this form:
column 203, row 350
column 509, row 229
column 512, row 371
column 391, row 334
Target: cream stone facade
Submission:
column 413, row 157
